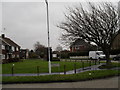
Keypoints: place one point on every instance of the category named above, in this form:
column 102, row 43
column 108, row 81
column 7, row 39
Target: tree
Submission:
column 99, row 25
column 32, row 54
column 59, row 48
column 40, row 49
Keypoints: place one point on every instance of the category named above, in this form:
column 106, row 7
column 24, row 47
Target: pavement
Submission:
column 98, row 83
column 89, row 68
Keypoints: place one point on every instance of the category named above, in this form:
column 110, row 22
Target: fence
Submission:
column 62, row 68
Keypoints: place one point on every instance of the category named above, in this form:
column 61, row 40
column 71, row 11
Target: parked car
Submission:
column 96, row 55
column 117, row 57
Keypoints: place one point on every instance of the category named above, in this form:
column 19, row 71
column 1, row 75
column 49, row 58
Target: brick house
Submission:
column 116, row 43
column 10, row 50
column 24, row 53
column 81, row 45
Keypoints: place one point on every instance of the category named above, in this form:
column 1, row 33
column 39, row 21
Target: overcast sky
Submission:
column 25, row 22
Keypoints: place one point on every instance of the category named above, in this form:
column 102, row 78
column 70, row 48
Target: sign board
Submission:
column 55, row 65
column 54, row 55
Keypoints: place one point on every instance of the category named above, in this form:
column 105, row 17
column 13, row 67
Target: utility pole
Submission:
column 49, row 62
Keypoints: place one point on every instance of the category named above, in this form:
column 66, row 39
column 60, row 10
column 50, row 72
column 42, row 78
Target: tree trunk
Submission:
column 107, row 53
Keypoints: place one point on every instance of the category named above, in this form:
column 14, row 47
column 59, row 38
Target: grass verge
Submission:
column 112, row 65
column 30, row 66
column 89, row 75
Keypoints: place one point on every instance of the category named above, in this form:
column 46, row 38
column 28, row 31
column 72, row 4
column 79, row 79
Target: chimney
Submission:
column 3, row 35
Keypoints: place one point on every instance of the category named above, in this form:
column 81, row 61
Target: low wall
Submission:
column 79, row 57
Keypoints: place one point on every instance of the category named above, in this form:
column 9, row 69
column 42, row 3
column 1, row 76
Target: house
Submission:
column 0, row 51
column 81, row 45
column 116, row 43
column 10, row 50
column 24, row 53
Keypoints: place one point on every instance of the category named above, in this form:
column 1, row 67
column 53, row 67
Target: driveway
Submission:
column 99, row 83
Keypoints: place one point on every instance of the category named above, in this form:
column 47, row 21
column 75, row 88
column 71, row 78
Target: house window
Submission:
column 3, row 56
column 13, row 56
column 13, row 49
column 3, row 47
column 7, row 56
column 81, row 46
column 17, row 56
column 0, row 56
column 17, row 49
column 77, row 47
column 6, row 47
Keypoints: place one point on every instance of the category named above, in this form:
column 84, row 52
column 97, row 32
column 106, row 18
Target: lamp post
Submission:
column 49, row 63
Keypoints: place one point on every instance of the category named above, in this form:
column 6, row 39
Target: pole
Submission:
column 49, row 63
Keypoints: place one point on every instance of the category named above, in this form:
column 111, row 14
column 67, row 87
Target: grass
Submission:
column 112, row 65
column 30, row 66
column 61, row 78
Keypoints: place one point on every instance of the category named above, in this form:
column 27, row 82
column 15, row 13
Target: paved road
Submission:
column 99, row 83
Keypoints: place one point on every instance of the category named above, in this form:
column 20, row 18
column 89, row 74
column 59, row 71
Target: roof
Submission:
column 10, row 42
column 80, row 42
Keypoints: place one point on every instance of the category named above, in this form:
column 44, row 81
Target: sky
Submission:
column 26, row 22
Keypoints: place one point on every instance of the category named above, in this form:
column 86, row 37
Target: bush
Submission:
column 11, row 60
column 55, row 59
column 64, row 55
column 114, row 52
column 85, row 53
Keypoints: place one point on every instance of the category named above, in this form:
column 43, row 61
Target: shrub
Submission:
column 11, row 60
column 114, row 52
column 64, row 55
column 55, row 59
column 84, row 53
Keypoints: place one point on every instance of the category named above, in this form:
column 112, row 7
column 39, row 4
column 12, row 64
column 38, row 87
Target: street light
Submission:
column 48, row 37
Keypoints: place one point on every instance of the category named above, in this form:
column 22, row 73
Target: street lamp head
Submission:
column 46, row 2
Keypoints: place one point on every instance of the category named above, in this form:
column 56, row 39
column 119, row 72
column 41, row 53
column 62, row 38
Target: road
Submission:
column 99, row 83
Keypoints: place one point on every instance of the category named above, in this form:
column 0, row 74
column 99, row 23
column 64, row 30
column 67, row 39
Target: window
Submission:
column 17, row 56
column 82, row 47
column 13, row 48
column 3, row 56
column 17, row 49
column 7, row 56
column 77, row 47
column 3, row 47
column 13, row 56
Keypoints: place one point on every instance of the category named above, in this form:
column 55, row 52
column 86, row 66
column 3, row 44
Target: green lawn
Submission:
column 112, row 65
column 30, row 66
column 89, row 75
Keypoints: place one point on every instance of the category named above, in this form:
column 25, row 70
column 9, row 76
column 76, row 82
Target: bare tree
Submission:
column 99, row 24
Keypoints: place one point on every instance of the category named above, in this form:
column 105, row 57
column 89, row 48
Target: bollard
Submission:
column 89, row 63
column 83, row 65
column 87, row 60
column 81, row 60
column 12, row 70
column 75, row 68
column 95, row 62
column 38, row 70
column 99, row 61
column 64, row 69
